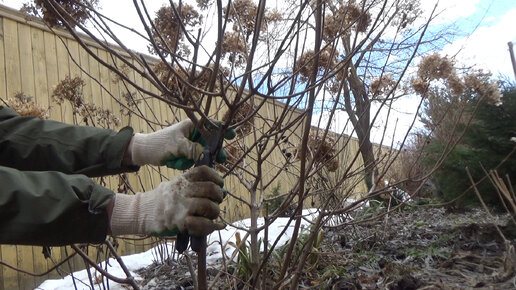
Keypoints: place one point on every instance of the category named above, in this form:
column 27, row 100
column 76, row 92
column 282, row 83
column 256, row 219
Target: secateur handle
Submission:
column 213, row 145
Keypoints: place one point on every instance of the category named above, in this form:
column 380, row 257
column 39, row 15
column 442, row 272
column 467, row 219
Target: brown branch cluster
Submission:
column 435, row 67
column 168, row 32
column 305, row 63
column 71, row 90
column 321, row 145
column 346, row 17
column 175, row 80
column 382, row 85
column 234, row 47
column 243, row 13
column 77, row 10
column 236, row 149
column 475, row 84
column 244, row 111
column 25, row 106
column 448, row 93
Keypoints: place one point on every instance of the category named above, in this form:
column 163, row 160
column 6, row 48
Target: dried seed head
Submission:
column 334, row 26
column 243, row 112
column 123, row 69
column 97, row 115
column 69, row 89
column 480, row 85
column 168, row 31
column 419, row 85
column 332, row 165
column 456, row 85
column 433, row 67
column 25, row 106
column 473, row 84
column 234, row 47
column 174, row 80
column 243, row 13
column 321, row 149
column 382, row 85
column 354, row 14
column 346, row 17
column 234, row 150
column 305, row 63
column 77, row 11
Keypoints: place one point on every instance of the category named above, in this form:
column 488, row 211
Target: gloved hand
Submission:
column 171, row 142
column 177, row 146
column 188, row 203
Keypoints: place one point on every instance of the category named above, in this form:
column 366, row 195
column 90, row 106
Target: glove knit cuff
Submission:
column 133, row 214
column 139, row 150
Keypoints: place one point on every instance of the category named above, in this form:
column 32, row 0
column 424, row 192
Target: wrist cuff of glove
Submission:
column 133, row 214
column 137, row 147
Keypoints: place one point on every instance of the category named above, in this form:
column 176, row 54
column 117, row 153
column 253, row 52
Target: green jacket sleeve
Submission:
column 46, row 197
column 28, row 143
column 50, row 208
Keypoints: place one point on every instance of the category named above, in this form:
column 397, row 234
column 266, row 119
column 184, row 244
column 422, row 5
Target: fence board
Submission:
column 13, row 85
column 63, row 70
column 12, row 61
column 26, row 255
column 3, row 89
column 41, row 98
column 3, row 92
column 51, row 72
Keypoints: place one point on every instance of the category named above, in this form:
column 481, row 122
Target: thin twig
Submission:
column 102, row 272
column 484, row 204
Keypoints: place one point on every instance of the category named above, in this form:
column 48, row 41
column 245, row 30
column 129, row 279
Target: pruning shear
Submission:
column 211, row 141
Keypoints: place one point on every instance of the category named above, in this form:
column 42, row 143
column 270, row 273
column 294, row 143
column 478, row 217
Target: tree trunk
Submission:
column 360, row 118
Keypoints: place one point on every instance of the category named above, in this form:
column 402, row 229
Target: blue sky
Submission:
column 484, row 28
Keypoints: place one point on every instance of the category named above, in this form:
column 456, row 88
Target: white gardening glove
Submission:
column 170, row 146
column 188, row 203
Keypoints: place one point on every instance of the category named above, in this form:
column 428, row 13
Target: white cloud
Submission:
column 451, row 10
column 388, row 126
column 15, row 4
column 487, row 46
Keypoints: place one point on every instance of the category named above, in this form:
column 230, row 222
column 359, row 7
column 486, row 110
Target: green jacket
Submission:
column 46, row 195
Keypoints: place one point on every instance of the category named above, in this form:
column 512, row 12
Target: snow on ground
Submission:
column 133, row 263
column 213, row 252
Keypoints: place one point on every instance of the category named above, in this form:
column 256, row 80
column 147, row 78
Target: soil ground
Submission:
column 414, row 248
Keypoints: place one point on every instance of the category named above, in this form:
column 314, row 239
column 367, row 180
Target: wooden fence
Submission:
column 33, row 60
